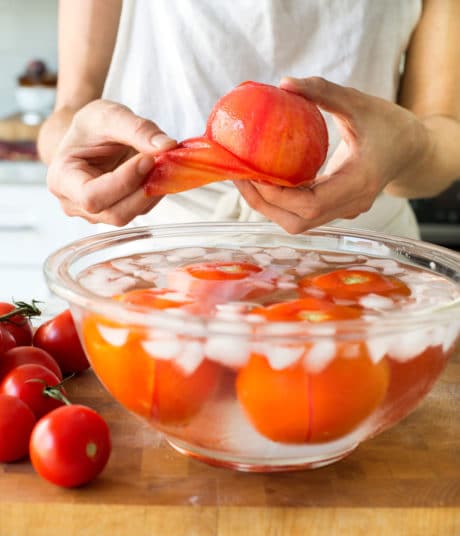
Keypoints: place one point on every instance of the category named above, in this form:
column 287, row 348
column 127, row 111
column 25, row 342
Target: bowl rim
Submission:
column 59, row 280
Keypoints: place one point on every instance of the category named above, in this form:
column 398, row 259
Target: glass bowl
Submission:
column 225, row 369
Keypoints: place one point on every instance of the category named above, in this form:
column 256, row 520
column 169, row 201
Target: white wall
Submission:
column 28, row 30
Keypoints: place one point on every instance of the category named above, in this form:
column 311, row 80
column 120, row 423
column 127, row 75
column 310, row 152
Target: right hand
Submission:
column 102, row 161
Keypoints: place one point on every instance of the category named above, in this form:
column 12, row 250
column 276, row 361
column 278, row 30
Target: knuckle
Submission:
column 293, row 226
column 364, row 205
column 118, row 220
column 312, row 212
column 90, row 203
column 271, row 195
column 142, row 127
column 98, row 112
column 253, row 201
column 317, row 83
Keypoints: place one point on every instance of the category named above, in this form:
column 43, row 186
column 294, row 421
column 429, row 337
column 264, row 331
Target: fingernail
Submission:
column 162, row 141
column 144, row 165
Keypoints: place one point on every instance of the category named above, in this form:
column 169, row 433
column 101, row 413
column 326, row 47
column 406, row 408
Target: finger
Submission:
column 345, row 194
column 292, row 223
column 333, row 98
column 108, row 121
column 128, row 208
column 333, row 196
column 328, row 197
column 95, row 194
column 119, row 214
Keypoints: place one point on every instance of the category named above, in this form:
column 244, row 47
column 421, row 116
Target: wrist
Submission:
column 435, row 165
column 52, row 131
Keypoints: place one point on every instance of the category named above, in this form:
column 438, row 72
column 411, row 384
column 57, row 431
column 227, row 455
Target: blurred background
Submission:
column 32, row 224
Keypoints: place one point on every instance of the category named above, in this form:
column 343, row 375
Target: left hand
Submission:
column 381, row 142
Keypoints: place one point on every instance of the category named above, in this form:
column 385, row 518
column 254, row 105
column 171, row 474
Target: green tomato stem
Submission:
column 23, row 309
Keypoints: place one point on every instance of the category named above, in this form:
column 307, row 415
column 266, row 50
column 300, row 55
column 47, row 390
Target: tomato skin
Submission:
column 151, row 387
column 352, row 284
column 219, row 282
column 70, row 446
column 295, row 405
column 292, row 405
column 177, row 397
column 222, row 271
column 27, row 355
column 59, row 338
column 155, row 298
column 7, row 341
column 306, row 309
column 16, row 424
column 21, row 383
column 18, row 325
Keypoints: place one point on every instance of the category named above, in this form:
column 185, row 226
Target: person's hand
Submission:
column 102, row 161
column 381, row 142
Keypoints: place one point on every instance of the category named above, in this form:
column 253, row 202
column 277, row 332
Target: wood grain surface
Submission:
column 404, row 482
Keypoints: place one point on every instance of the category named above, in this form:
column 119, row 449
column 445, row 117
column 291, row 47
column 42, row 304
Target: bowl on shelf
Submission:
column 257, row 350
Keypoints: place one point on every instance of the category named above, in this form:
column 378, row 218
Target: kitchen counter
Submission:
column 32, row 225
column 404, row 482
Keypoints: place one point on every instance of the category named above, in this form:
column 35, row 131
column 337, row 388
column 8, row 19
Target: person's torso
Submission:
column 175, row 58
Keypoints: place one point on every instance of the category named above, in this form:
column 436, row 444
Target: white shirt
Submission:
column 173, row 59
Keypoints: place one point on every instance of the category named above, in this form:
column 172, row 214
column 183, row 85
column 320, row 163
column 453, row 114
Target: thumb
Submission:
column 330, row 97
column 110, row 121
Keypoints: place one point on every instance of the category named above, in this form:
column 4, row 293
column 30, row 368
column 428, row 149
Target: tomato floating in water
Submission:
column 218, row 271
column 126, row 363
column 115, row 358
column 307, row 309
column 219, row 282
column 411, row 379
column 296, row 405
column 351, row 284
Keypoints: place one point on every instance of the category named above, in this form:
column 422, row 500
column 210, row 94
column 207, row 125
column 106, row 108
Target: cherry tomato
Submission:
column 219, row 282
column 19, row 324
column 59, row 338
column 28, row 382
column 27, row 355
column 70, row 446
column 351, row 284
column 7, row 341
column 16, row 424
column 295, row 405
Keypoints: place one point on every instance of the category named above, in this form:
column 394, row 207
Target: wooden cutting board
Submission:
column 404, row 482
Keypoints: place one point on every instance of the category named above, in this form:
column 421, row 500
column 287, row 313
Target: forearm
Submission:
column 439, row 163
column 87, row 33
